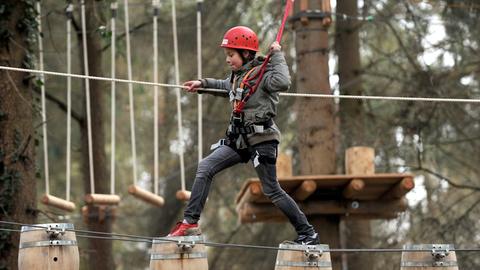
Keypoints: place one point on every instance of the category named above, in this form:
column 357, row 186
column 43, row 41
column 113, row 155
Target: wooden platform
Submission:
column 374, row 196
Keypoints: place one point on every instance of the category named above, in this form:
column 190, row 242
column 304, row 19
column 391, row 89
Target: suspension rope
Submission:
column 69, row 11
column 44, row 107
column 113, row 8
column 136, row 238
column 87, row 97
column 130, row 94
column 305, row 95
column 155, row 5
column 177, row 90
column 199, row 75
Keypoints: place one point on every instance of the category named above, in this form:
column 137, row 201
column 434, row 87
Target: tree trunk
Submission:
column 17, row 162
column 316, row 137
column 352, row 119
column 101, row 256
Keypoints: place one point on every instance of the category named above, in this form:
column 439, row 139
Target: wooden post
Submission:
column 180, row 253
column 48, row 247
column 359, row 160
column 303, row 257
column 316, row 139
column 429, row 257
column 284, row 165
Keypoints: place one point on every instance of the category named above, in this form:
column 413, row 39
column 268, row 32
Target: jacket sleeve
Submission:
column 277, row 76
column 216, row 84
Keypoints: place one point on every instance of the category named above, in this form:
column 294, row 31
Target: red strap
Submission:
column 239, row 108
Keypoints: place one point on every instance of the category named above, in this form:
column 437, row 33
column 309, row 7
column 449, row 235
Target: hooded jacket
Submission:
column 262, row 105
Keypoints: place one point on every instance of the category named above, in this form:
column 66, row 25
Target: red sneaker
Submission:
column 183, row 229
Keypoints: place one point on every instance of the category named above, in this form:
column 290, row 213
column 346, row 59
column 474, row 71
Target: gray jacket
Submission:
column 262, row 105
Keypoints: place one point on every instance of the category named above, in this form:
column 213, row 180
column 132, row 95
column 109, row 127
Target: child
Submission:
column 251, row 135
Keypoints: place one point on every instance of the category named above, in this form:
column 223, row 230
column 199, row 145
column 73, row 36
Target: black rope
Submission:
column 134, row 238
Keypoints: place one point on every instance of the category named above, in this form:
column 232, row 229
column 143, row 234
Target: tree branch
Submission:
column 61, row 105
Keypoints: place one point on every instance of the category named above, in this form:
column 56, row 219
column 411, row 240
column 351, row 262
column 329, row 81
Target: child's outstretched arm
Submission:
column 277, row 77
column 194, row 86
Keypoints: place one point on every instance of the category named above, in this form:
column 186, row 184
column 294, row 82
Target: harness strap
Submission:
column 242, row 85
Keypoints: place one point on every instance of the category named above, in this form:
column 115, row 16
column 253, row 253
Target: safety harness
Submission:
column 237, row 125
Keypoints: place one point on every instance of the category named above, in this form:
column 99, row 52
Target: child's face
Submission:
column 233, row 59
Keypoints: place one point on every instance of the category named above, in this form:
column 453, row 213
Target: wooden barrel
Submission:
column 299, row 257
column 429, row 257
column 184, row 254
column 48, row 247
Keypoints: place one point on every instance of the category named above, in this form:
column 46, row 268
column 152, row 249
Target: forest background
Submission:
column 408, row 48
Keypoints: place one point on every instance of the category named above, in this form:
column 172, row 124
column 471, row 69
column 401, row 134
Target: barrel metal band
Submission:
column 48, row 243
column 430, row 264
column 194, row 255
column 36, row 227
column 317, row 264
column 429, row 247
column 183, row 239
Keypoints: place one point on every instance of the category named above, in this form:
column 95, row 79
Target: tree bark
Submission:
column 316, row 136
column 352, row 119
column 101, row 256
column 17, row 161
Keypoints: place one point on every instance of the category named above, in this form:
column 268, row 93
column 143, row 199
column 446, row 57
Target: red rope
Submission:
column 239, row 108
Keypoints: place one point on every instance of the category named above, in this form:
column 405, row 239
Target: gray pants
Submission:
column 263, row 156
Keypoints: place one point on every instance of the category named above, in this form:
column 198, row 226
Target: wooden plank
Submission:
column 265, row 212
column 376, row 184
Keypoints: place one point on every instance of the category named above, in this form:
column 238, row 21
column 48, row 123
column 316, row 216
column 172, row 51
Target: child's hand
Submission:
column 275, row 47
column 192, row 85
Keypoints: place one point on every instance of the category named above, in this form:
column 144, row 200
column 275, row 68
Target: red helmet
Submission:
column 240, row 37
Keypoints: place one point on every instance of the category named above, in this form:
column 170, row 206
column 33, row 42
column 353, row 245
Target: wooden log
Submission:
column 284, row 165
column 183, row 195
column 304, row 8
column 52, row 247
column 303, row 257
column 304, row 191
column 360, row 160
column 187, row 253
column 146, row 195
column 102, row 199
column 59, row 203
column 327, row 8
column 429, row 257
column 353, row 189
column 400, row 189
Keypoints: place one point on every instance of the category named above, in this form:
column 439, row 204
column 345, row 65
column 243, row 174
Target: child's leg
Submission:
column 220, row 159
column 264, row 160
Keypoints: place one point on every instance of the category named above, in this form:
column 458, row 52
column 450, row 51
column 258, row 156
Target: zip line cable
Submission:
column 305, row 95
column 134, row 238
